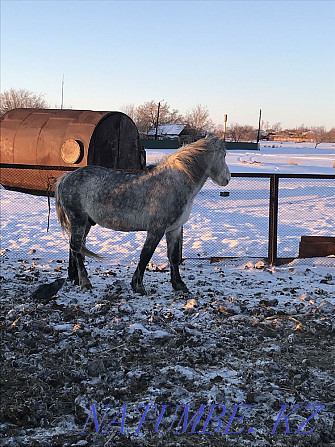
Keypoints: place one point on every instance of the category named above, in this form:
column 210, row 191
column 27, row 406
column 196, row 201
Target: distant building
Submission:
column 167, row 131
column 294, row 137
column 175, row 131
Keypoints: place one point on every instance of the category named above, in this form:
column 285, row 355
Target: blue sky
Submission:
column 234, row 57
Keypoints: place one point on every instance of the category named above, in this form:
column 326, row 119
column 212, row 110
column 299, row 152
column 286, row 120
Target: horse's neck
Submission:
column 197, row 186
column 206, row 162
column 190, row 187
column 205, row 176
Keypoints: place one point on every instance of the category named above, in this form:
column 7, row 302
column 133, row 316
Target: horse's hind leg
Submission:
column 72, row 269
column 148, row 249
column 77, row 240
column 84, row 282
column 174, row 241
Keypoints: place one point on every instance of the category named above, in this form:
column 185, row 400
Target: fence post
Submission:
column 273, row 219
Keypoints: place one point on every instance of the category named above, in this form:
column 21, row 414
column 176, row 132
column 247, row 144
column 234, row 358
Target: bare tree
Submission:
column 302, row 128
column 22, row 98
column 219, row 131
column 265, row 125
column 238, row 132
column 145, row 115
column 276, row 127
column 320, row 135
column 198, row 118
column 331, row 136
column 130, row 110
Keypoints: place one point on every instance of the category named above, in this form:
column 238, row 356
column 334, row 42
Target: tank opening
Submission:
column 72, row 151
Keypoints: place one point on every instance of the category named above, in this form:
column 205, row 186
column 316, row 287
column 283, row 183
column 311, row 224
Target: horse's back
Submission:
column 95, row 178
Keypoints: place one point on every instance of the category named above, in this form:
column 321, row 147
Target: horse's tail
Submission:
column 86, row 252
column 62, row 216
column 64, row 220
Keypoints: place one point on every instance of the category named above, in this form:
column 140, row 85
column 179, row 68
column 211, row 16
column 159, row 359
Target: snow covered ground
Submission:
column 247, row 333
column 285, row 158
column 276, row 157
column 219, row 226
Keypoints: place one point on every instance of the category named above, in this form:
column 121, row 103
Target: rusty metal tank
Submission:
column 38, row 145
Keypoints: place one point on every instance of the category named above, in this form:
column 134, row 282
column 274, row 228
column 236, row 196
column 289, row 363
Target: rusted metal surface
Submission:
column 64, row 138
column 316, row 246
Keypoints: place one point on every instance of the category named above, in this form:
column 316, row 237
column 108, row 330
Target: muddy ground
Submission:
column 251, row 337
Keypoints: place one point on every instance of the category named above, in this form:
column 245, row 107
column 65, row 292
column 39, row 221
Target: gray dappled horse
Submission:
column 157, row 200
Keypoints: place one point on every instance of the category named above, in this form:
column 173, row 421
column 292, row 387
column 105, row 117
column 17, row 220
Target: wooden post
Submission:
column 225, row 127
column 273, row 219
column 157, row 120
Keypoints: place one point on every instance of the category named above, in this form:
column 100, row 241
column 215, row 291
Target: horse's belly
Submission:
column 125, row 228
column 116, row 215
column 121, row 225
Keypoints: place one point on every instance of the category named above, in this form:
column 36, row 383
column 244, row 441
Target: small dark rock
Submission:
column 45, row 292
column 250, row 398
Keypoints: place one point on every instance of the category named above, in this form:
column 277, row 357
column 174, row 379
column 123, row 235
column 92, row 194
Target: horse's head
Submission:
column 219, row 171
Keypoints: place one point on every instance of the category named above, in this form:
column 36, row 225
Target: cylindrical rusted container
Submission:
column 38, row 145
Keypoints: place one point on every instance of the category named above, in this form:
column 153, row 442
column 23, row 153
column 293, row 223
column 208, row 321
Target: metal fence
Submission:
column 264, row 215
column 256, row 215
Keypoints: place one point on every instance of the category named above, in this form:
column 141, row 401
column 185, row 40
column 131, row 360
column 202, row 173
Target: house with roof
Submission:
column 171, row 135
column 173, row 130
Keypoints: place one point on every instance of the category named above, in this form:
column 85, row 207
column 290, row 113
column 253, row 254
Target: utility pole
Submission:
column 157, row 120
column 259, row 125
column 62, row 93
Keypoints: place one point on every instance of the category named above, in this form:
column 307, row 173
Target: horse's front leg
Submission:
column 174, row 241
column 148, row 249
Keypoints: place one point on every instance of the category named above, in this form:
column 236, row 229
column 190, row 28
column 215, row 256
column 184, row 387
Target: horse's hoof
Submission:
column 85, row 285
column 180, row 287
column 74, row 279
column 139, row 288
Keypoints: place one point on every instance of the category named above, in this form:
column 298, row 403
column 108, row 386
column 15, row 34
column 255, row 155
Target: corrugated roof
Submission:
column 167, row 129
